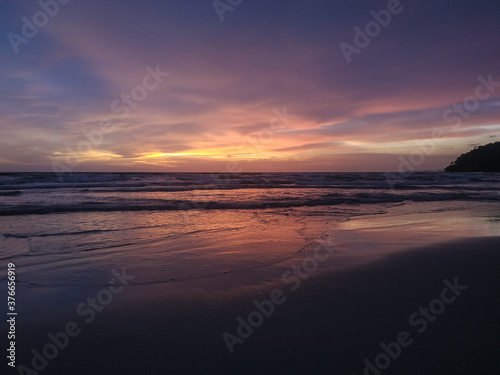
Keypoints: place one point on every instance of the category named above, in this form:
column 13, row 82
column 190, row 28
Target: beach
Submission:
column 236, row 187
column 326, row 289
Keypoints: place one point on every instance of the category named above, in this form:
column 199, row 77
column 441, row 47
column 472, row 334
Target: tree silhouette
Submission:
column 480, row 159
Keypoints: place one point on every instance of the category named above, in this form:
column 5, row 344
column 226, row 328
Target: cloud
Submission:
column 228, row 78
column 312, row 146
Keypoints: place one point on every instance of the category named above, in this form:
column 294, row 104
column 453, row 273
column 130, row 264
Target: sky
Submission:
column 246, row 85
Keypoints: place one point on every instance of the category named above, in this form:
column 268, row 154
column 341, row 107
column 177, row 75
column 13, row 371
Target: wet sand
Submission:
column 326, row 318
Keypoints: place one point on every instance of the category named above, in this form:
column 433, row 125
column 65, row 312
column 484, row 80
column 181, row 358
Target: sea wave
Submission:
column 178, row 205
column 49, row 193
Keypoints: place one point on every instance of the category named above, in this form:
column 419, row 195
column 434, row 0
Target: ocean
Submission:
column 201, row 248
column 47, row 193
column 81, row 212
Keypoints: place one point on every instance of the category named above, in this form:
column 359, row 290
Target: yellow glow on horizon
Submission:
column 216, row 153
column 163, row 154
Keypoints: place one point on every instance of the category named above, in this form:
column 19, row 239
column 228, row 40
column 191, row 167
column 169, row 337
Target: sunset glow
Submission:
column 182, row 91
